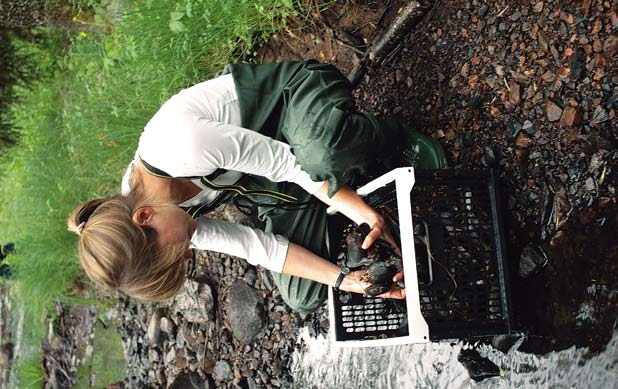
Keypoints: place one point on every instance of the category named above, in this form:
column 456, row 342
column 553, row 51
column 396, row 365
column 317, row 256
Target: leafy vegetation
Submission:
column 80, row 125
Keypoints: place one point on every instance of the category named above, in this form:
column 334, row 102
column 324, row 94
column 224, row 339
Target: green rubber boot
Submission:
column 422, row 151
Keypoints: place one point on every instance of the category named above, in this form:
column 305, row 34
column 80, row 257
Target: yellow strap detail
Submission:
column 245, row 192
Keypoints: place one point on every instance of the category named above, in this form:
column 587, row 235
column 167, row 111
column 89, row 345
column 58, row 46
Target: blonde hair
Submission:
column 117, row 253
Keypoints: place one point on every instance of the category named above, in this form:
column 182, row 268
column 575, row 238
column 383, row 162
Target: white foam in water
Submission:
column 435, row 365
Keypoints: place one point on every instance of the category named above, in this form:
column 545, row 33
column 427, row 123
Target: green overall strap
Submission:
column 227, row 191
column 246, row 192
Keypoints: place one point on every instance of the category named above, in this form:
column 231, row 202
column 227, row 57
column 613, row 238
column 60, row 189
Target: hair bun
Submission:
column 78, row 228
column 80, row 215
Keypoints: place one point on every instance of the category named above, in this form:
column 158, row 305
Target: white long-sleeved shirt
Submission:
column 256, row 246
column 198, row 131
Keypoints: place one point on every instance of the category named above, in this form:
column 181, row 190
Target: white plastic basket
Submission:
column 353, row 335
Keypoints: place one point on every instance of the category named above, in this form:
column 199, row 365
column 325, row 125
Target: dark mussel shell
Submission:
column 355, row 256
column 374, row 290
column 380, row 275
column 354, row 242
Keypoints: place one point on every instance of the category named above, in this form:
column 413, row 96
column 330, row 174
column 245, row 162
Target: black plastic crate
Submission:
column 461, row 269
column 460, row 213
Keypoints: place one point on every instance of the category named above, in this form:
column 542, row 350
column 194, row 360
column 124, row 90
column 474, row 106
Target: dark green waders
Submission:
column 310, row 106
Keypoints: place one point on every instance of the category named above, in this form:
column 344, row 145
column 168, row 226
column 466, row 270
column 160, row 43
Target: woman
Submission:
column 273, row 134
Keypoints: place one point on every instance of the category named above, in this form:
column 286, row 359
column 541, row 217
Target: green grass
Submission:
column 107, row 364
column 80, row 126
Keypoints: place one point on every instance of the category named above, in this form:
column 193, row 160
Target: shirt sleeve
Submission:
column 256, row 246
column 201, row 146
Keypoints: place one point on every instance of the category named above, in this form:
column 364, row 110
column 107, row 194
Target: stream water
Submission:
column 435, row 365
column 11, row 335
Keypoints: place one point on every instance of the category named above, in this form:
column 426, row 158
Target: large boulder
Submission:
column 246, row 311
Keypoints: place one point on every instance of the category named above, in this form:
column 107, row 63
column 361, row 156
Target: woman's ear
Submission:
column 143, row 215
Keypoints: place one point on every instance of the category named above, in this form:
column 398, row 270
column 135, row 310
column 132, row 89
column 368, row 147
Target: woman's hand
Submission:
column 301, row 262
column 350, row 204
column 380, row 230
column 354, row 282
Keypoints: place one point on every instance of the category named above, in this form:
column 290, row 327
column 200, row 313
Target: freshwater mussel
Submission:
column 379, row 261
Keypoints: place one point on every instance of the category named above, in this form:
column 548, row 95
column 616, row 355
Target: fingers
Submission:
column 373, row 235
column 398, row 277
column 398, row 294
column 378, row 232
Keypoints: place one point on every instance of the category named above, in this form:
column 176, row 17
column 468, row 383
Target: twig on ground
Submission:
column 387, row 44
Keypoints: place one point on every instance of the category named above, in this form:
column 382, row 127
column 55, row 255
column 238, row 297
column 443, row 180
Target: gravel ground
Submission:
column 530, row 89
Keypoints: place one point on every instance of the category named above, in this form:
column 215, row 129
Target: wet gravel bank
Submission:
column 530, row 89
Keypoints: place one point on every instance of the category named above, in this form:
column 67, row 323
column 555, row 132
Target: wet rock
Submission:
column 548, row 76
column 250, row 383
column 543, row 40
column 167, row 326
column 222, row 371
column 552, row 111
column 513, row 129
column 478, row 367
column 170, row 355
column 562, row 208
column 555, row 54
column 251, row 277
column 523, row 140
column 531, row 260
column 246, row 312
column 572, row 134
column 503, row 342
column 153, row 355
column 528, row 127
column 489, row 157
column 599, row 115
column 578, row 63
column 189, row 381
column 154, row 328
column 590, row 185
column 586, row 6
column 482, row 11
column 180, row 339
column 610, row 47
column 194, row 302
column 571, row 117
column 514, row 93
column 180, row 363
column 190, row 338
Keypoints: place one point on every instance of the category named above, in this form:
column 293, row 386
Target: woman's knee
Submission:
column 302, row 295
column 304, row 305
